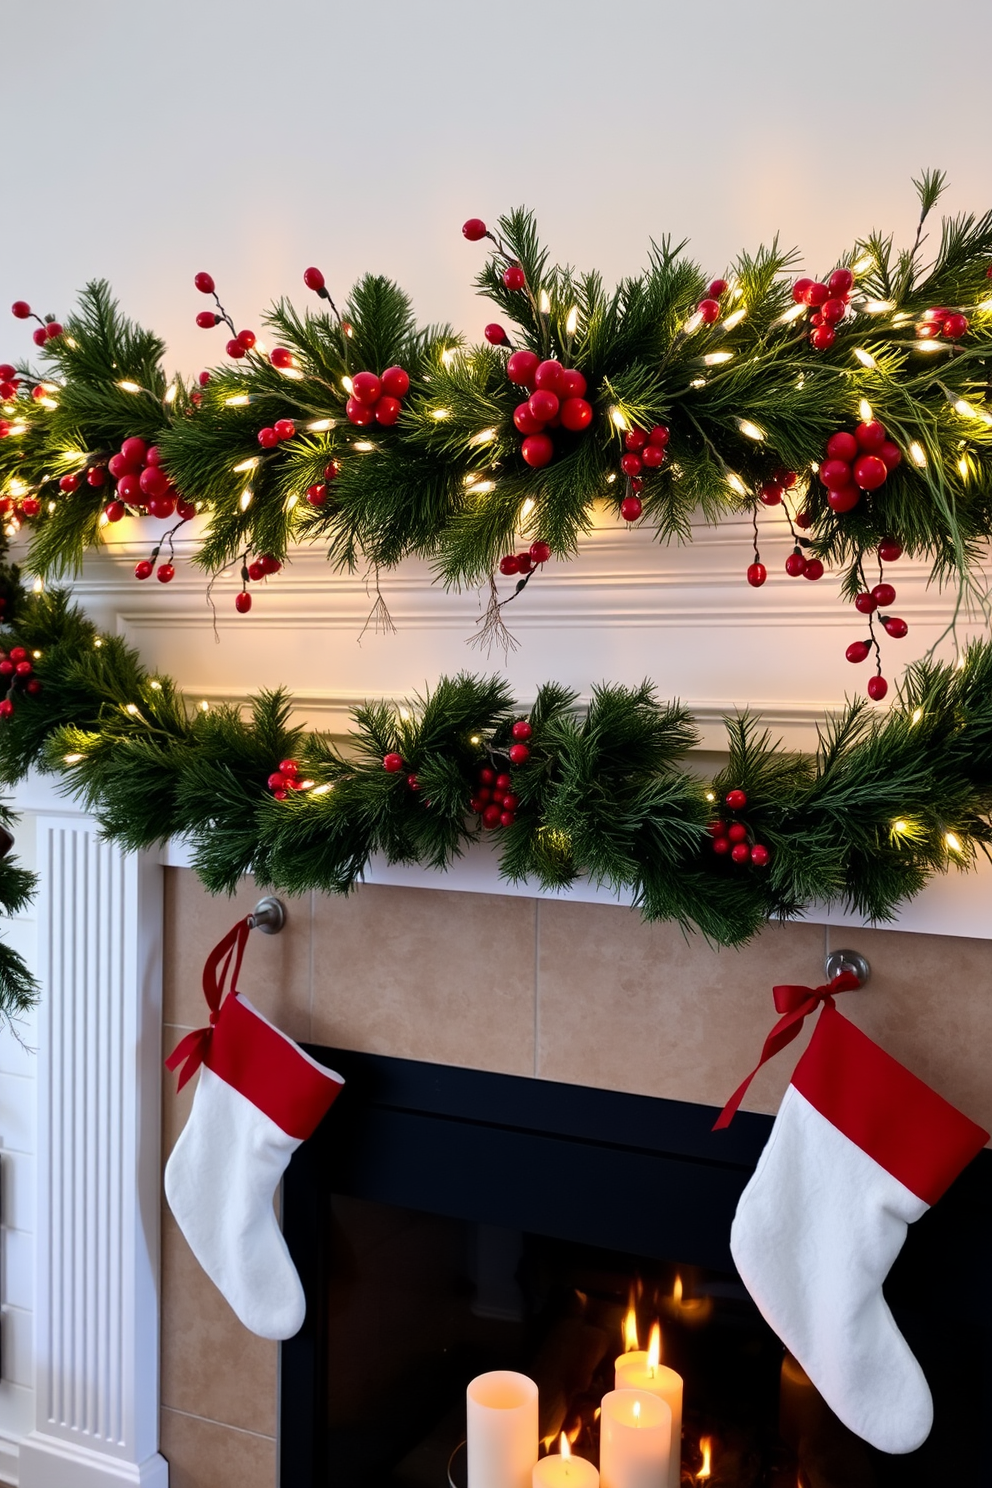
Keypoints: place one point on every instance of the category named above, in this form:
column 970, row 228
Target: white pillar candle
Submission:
column 635, row 1440
column 564, row 1471
column 502, row 1430
column 640, row 1370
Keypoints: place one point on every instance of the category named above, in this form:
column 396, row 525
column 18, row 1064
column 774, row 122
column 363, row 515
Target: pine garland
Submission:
column 886, row 802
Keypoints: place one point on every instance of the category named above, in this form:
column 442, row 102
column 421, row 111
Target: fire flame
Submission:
column 566, row 1450
column 630, row 1326
column 677, row 1290
column 706, row 1447
column 654, row 1347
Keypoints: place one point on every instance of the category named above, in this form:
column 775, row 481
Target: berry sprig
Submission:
column 142, row 484
column 493, row 798
column 48, row 327
column 645, row 450
column 9, row 382
column 514, row 277
column 278, row 433
column 18, row 668
column 241, row 342
column 317, row 493
column 857, row 463
column 709, row 309
column 376, row 399
column 735, row 839
column 938, row 322
column 557, row 401
column 253, row 573
column 828, row 302
column 868, row 602
column 286, row 779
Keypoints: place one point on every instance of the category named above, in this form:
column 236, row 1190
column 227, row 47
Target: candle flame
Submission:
column 637, row 1411
column 677, row 1290
column 630, row 1327
column 654, row 1347
column 706, row 1447
column 566, row 1450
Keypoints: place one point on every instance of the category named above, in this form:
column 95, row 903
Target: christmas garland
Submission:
column 886, row 802
column 850, row 413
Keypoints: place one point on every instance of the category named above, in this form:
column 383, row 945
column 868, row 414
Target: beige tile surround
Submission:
column 575, row 992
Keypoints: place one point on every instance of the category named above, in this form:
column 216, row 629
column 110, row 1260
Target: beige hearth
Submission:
column 583, row 993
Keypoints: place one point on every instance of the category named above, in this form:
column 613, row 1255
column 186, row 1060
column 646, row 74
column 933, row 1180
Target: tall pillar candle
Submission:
column 502, row 1430
column 635, row 1440
column 640, row 1370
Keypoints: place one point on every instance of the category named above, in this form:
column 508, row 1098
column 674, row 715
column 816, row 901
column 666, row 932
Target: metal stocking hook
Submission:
column 269, row 915
column 853, row 961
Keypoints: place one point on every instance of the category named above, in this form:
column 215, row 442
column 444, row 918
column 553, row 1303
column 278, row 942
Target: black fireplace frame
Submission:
column 668, row 1188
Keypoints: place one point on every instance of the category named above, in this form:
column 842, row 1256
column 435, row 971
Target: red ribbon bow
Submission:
column 191, row 1051
column 795, row 1004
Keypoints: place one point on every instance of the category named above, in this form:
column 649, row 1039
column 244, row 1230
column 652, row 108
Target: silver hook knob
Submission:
column 269, row 915
column 853, row 961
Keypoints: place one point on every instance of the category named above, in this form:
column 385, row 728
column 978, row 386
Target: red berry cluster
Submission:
column 495, row 802
column 277, row 433
column 251, row 573
column 868, row 602
column 9, row 382
column 286, row 779
column 18, row 506
column 142, row 484
column 940, row 322
column 709, row 309
column 241, row 342
column 557, row 401
column 857, row 462
column 735, row 838
column 644, row 450
column 377, row 399
column 828, row 303
column 525, row 563
column 48, row 328
column 317, row 493
column 17, row 666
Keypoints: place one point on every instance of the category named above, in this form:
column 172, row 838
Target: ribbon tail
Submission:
column 783, row 1033
column 190, row 1052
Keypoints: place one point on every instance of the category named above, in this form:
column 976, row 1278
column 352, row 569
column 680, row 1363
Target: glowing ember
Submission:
column 706, row 1448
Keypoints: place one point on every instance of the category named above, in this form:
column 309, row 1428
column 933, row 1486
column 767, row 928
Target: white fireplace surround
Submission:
column 84, row 1264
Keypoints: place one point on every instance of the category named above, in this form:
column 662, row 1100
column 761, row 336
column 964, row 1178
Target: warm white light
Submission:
column 290, row 502
column 132, row 708
column 440, row 413
column 711, row 795
column 321, row 790
column 51, row 507
column 16, row 487
column 953, row 841
column 618, row 419
column 917, row 715
column 484, row 436
column 36, row 655
column 238, row 401
column 103, row 520
column 793, row 313
column 749, row 430
column 731, row 320
column 170, row 393
column 475, row 739
column 929, row 346
column 17, row 429
column 985, row 304
column 697, row 382
column 864, row 262
column 204, row 706
column 246, row 496
column 877, row 307
column 38, row 587
column 363, row 446
column 964, row 408
column 129, row 387
column 572, row 321
column 527, row 508
column 483, row 488
column 246, row 465
column 963, row 468
column 320, row 426
column 865, row 358
column 693, row 323
column 654, row 1347
column 293, row 373
column 714, row 358
column 155, row 686
column 346, row 383
column 47, row 403
column 918, row 455
column 865, row 411
column 544, row 303
column 71, row 759
column 736, row 484
column 447, row 357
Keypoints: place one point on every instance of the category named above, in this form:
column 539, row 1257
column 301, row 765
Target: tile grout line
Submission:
column 224, row 1425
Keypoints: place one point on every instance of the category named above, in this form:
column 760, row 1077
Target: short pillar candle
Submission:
column 502, row 1430
column 562, row 1470
column 640, row 1370
column 635, row 1440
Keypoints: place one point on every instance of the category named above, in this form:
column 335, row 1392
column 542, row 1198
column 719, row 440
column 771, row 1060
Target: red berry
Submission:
column 955, row 326
column 537, row 450
column 870, row 472
column 760, row 855
column 927, row 332
column 359, row 413
column 794, row 565
column 473, row 229
column 840, row 281
column 203, row 378
column 844, row 500
column 786, row 478
column 770, row 493
column 332, row 471
column 889, row 550
column 716, row 288
column 284, row 429
column 525, row 564
column 153, row 455
column 495, row 334
column 631, row 508
column 835, row 474
column 366, row 387
column 736, row 800
column 514, row 277
column 134, row 452
column 842, row 446
column 895, row 627
column 153, row 481
column 816, row 320
column 883, row 595
column 576, row 414
column 653, row 455
column 165, row 573
column 317, row 493
column 507, row 819
column 392, row 763
column 572, row 385
column 491, row 816
column 276, row 781
column 160, row 506
column 53, row 329
column 510, row 801
column 813, row 569
column 129, row 487
column 234, row 349
column 721, row 845
column 799, row 290
column 39, row 337
column 206, row 320
column 890, row 455
column 631, row 464
column 870, row 437
column 281, row 356
column 521, row 729
column 280, row 795
column 477, row 805
column 635, row 439
column 69, row 483
column 503, row 783
column 30, row 506
column 803, row 519
column 877, row 688
column 256, row 571
column 413, row 782
column 540, row 552
column 543, row 404
column 33, row 687
column 143, row 570
column 637, row 483
column 268, row 438
column 823, row 337
column 757, row 573
column 270, row 563
column 519, row 753
column 18, row 653
column 816, row 293
column 204, row 282
column 8, row 390
column 521, row 368
column 865, row 604
column 487, row 776
column 548, row 374
column 717, row 828
column 525, row 421
column 833, row 312
column 858, row 650
column 95, row 476
column 21, row 309
column 242, row 602
column 114, row 511
column 737, row 832
column 740, row 852
column 709, row 310
column 660, row 434
column 185, row 510
column 313, row 279
column 6, row 708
